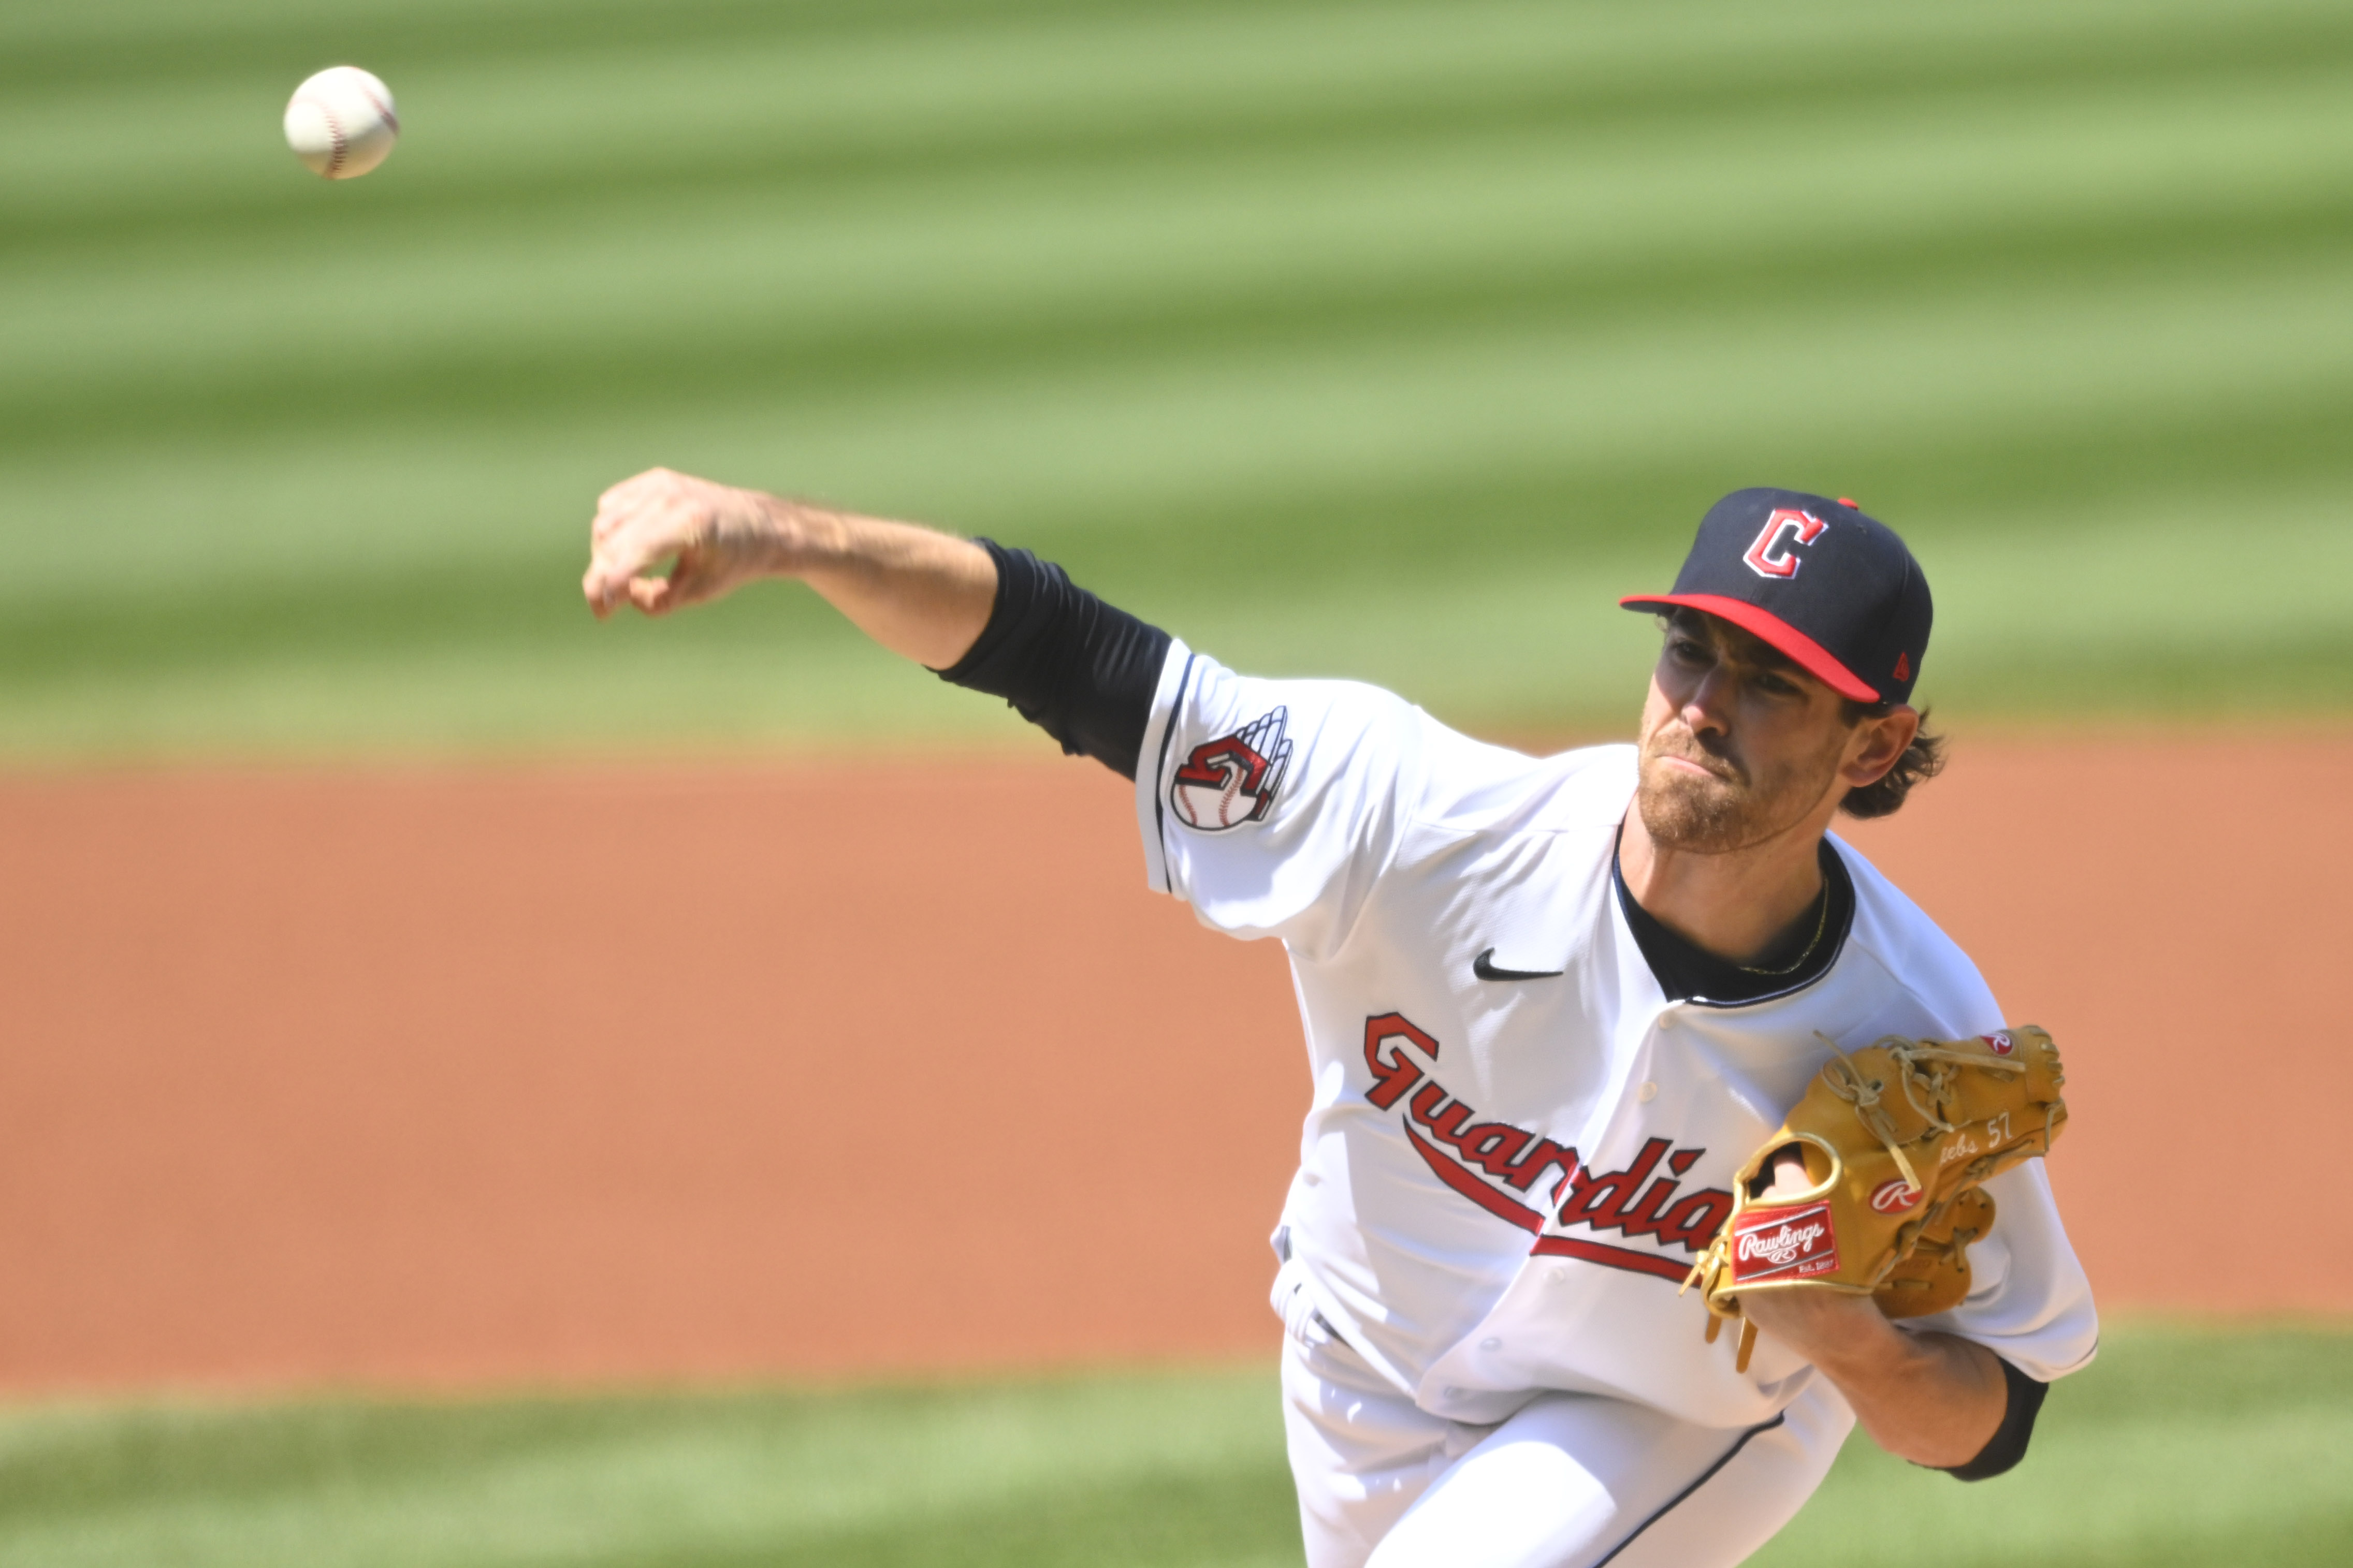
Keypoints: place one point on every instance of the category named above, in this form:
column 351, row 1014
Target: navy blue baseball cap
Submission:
column 1836, row 591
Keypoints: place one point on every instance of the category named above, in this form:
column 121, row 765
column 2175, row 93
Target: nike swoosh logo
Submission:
column 1486, row 971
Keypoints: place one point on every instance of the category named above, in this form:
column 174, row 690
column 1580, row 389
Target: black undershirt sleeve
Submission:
column 2008, row 1444
column 1075, row 666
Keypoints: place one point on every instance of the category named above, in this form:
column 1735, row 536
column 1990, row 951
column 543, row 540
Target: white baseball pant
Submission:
column 1571, row 1480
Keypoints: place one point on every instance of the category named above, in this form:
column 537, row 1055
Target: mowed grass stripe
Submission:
column 1214, row 427
column 457, row 306
column 86, row 168
column 191, row 536
column 830, row 77
column 2177, row 1447
column 897, row 285
column 503, row 661
column 1060, row 1466
column 1253, row 318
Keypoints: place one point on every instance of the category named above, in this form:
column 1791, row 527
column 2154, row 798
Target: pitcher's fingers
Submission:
column 631, row 498
column 604, row 583
column 640, row 544
column 613, row 566
column 653, row 520
column 651, row 594
column 597, row 587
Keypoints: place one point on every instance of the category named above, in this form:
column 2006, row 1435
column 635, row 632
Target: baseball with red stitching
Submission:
column 340, row 122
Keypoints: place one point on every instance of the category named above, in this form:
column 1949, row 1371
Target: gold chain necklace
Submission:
column 1821, row 923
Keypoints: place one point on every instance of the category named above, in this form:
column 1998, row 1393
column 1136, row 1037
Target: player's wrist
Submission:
column 1864, row 1348
column 1846, row 1336
column 792, row 539
column 1939, row 1405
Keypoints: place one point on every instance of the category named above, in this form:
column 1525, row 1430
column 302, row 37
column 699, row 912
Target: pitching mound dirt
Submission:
column 628, row 1074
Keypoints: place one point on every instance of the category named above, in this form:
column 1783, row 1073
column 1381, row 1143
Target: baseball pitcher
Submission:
column 1656, row 1138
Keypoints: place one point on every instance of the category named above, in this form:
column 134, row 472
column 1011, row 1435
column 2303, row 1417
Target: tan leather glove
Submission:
column 1896, row 1139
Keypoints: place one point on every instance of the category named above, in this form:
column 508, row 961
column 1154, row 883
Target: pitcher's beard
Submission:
column 1701, row 817
column 1716, row 815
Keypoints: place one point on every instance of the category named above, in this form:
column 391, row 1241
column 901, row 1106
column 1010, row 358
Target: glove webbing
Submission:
column 1846, row 1082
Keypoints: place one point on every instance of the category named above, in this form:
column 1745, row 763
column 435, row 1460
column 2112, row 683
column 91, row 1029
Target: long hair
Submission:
column 1924, row 759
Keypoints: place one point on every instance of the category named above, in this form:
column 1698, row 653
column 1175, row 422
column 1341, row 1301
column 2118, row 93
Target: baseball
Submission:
column 341, row 123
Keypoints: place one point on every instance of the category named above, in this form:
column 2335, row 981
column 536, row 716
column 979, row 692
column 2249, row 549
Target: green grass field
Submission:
column 2177, row 1448
column 1387, row 339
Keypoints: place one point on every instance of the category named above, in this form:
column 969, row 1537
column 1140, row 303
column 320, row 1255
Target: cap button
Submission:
column 1849, row 502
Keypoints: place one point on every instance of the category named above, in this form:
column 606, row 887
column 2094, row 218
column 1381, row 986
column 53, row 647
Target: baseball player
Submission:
column 1552, row 1005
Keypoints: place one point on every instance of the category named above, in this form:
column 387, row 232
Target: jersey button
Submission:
column 1647, row 1093
column 1491, row 1343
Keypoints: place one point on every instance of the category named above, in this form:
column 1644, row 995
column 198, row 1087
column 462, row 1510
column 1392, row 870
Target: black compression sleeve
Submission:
column 2008, row 1444
column 1063, row 659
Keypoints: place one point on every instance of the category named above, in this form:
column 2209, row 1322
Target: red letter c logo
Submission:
column 1773, row 553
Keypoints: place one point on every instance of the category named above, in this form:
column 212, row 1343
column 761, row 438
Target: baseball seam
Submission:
column 383, row 109
column 334, row 130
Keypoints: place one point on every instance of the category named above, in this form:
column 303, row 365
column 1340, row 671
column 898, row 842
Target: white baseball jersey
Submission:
column 1502, row 1182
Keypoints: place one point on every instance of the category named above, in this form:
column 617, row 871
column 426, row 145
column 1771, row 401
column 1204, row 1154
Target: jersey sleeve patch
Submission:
column 1235, row 778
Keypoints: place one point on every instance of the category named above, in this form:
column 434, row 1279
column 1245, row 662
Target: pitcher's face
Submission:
column 1738, row 744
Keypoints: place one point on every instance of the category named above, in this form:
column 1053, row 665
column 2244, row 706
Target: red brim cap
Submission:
column 1804, row 651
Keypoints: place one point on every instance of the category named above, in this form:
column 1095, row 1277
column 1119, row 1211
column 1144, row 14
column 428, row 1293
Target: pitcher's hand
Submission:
column 1934, row 1399
column 716, row 538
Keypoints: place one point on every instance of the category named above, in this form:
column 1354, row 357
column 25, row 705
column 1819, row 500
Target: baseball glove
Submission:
column 1896, row 1139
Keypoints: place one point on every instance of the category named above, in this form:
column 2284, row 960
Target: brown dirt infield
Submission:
column 624, row 1074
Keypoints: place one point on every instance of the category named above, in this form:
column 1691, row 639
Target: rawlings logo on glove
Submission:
column 1896, row 1139
column 1800, row 1241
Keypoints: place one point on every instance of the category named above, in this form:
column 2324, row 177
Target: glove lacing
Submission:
column 1913, row 1061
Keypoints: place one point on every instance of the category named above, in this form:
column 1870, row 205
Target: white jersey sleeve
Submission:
column 1271, row 807
column 2029, row 1303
